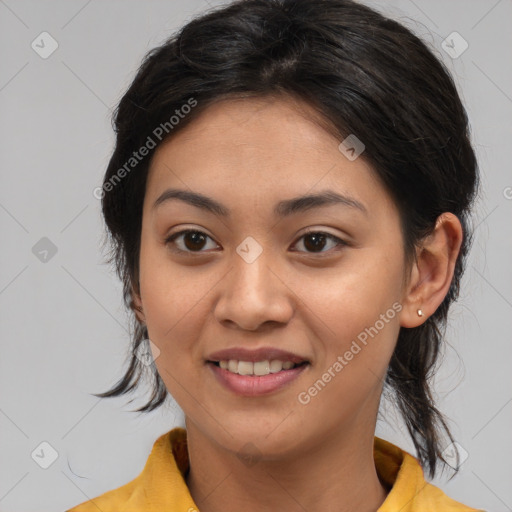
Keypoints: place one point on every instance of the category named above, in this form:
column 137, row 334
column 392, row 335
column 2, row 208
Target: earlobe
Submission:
column 432, row 272
column 136, row 304
column 412, row 301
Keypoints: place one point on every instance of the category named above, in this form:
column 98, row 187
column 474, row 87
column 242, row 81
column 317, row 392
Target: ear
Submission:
column 432, row 273
column 137, row 307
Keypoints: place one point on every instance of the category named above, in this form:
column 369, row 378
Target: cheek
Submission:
column 355, row 328
column 354, row 313
column 176, row 303
column 174, row 299
column 356, row 292
column 339, row 309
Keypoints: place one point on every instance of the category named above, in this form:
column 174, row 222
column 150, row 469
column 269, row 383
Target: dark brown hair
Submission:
column 365, row 74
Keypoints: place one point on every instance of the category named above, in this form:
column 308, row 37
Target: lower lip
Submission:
column 254, row 385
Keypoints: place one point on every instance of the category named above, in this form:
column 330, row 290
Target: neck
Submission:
column 337, row 473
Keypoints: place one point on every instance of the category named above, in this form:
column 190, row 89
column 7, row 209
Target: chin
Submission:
column 259, row 440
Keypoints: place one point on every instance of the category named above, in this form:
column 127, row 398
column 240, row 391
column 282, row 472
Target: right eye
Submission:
column 192, row 241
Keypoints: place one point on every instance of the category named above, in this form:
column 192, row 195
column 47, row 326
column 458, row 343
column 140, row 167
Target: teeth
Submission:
column 258, row 368
column 245, row 368
column 276, row 366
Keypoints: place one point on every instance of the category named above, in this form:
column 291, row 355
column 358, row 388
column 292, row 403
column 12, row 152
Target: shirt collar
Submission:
column 164, row 474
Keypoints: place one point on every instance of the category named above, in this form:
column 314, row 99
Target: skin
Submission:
column 249, row 154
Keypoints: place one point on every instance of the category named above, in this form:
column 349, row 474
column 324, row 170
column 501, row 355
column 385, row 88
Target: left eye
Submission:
column 194, row 240
column 318, row 240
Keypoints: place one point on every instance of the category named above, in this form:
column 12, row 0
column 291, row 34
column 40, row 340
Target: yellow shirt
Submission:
column 161, row 486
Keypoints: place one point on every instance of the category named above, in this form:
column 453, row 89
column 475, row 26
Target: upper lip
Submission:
column 260, row 354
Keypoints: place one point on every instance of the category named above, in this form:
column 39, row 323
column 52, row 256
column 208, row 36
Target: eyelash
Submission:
column 171, row 238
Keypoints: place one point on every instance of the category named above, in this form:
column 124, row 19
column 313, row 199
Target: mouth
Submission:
column 257, row 368
column 252, row 379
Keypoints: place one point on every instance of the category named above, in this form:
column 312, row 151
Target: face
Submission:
column 323, row 283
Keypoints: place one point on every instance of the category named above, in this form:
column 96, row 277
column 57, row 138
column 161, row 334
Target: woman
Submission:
column 288, row 205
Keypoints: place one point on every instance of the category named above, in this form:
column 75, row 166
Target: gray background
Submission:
column 63, row 327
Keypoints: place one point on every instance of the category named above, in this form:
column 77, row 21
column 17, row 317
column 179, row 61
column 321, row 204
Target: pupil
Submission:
column 318, row 241
column 196, row 238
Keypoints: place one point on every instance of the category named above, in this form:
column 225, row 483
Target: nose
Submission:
column 254, row 294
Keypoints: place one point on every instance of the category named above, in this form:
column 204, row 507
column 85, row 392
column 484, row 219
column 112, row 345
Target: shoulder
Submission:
column 431, row 498
column 409, row 491
column 160, row 484
column 107, row 502
column 110, row 501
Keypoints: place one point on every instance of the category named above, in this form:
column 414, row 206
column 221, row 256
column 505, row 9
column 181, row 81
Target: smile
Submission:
column 246, row 378
column 258, row 368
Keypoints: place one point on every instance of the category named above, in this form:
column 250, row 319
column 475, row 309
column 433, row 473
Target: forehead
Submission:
column 241, row 127
column 263, row 148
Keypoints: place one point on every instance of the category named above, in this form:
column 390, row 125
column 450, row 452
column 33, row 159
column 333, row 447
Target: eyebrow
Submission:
column 284, row 208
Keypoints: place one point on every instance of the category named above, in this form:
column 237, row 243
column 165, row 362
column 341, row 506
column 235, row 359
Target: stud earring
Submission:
column 420, row 313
